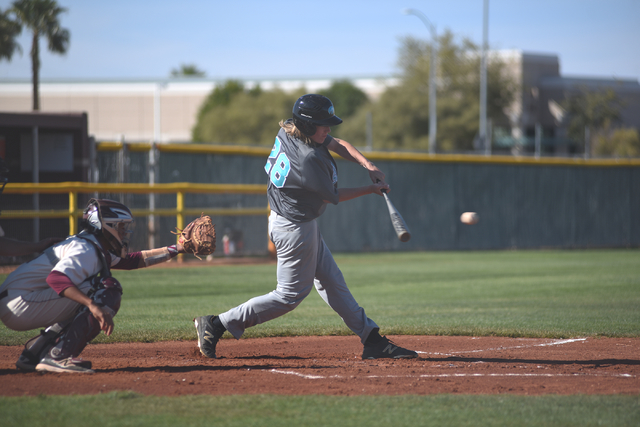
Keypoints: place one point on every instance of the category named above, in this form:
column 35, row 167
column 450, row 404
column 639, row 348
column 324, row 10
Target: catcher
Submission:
column 69, row 290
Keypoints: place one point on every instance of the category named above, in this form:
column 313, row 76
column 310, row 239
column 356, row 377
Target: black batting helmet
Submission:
column 311, row 110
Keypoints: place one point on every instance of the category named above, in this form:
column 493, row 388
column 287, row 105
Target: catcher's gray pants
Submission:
column 303, row 261
column 41, row 308
column 25, row 309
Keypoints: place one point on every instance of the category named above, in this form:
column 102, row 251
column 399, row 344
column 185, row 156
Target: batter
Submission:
column 303, row 179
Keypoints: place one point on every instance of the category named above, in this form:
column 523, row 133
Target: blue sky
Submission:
column 145, row 39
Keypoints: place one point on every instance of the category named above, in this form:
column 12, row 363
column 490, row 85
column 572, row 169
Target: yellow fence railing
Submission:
column 178, row 188
column 398, row 156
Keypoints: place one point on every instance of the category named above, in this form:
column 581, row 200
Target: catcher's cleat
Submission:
column 70, row 364
column 208, row 334
column 388, row 350
column 26, row 362
column 37, row 347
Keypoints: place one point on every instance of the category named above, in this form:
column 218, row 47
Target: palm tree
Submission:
column 187, row 70
column 41, row 17
column 9, row 30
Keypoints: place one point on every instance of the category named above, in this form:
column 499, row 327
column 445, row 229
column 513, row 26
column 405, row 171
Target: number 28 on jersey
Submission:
column 278, row 165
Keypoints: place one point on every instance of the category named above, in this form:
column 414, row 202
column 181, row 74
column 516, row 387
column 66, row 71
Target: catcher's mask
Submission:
column 113, row 221
column 311, row 110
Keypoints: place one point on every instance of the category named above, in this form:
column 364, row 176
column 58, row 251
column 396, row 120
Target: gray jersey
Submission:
column 302, row 178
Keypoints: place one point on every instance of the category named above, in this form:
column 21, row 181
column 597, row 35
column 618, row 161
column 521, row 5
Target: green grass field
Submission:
column 553, row 294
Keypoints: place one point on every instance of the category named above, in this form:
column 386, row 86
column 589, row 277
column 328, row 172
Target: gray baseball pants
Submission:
column 304, row 261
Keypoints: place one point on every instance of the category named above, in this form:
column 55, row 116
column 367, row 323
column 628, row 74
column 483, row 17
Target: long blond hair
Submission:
column 292, row 130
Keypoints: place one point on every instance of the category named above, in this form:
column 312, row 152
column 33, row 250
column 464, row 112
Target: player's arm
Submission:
column 12, row 247
column 64, row 287
column 348, row 152
column 351, row 193
column 148, row 258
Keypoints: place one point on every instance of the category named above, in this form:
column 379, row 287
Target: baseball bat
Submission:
column 396, row 219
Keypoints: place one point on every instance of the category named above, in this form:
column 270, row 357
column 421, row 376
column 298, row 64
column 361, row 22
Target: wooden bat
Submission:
column 396, row 219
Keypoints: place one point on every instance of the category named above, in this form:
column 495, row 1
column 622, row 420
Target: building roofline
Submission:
column 550, row 82
column 205, row 80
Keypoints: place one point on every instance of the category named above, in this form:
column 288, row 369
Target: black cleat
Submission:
column 208, row 335
column 70, row 364
column 386, row 349
column 27, row 361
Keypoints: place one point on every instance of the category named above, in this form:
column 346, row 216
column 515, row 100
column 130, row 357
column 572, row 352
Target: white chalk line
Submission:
column 323, row 377
column 470, row 375
column 557, row 342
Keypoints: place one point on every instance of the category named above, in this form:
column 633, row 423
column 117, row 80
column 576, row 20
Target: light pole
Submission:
column 432, row 77
column 153, row 158
column 484, row 142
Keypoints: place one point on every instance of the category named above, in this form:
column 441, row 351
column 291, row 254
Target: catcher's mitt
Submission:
column 198, row 237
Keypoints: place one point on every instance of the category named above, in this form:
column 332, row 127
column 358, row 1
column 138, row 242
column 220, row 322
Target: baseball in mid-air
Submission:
column 469, row 218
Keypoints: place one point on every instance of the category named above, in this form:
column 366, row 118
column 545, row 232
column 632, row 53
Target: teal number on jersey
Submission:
column 272, row 155
column 280, row 169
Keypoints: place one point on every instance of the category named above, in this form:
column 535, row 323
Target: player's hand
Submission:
column 376, row 174
column 104, row 315
column 379, row 187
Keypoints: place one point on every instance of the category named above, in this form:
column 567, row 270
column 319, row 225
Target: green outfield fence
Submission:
column 523, row 202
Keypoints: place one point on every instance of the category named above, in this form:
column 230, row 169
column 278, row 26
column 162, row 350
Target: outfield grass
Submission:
column 130, row 409
column 554, row 294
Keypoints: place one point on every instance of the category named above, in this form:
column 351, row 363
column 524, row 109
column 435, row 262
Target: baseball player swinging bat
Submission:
column 396, row 219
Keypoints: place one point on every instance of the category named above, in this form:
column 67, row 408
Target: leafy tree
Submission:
column 346, row 97
column 42, row 18
column 220, row 97
column 9, row 31
column 234, row 115
column 624, row 142
column 596, row 110
column 401, row 115
column 394, row 115
column 187, row 70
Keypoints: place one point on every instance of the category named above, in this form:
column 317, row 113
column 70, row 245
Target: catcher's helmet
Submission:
column 311, row 110
column 113, row 221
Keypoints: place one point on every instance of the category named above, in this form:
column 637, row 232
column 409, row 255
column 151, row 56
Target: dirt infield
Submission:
column 332, row 366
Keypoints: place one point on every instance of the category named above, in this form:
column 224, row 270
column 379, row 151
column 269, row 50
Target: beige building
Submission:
column 163, row 110
column 166, row 110
column 537, row 113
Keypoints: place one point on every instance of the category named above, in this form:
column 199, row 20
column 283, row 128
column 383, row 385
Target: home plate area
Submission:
column 332, row 365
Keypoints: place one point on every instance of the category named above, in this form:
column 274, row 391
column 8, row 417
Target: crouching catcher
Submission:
column 69, row 291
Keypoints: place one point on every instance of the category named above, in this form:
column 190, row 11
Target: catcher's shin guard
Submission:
column 37, row 346
column 84, row 327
